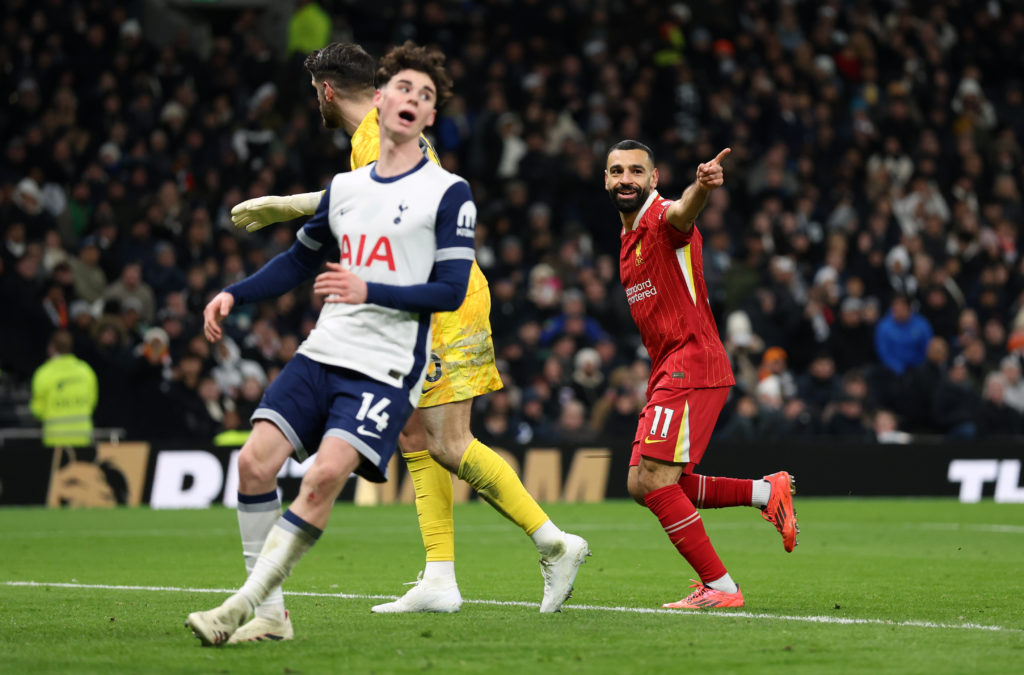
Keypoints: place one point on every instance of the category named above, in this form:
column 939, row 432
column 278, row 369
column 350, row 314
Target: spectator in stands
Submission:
column 587, row 378
column 742, row 345
column 955, row 405
column 902, row 336
column 850, row 339
column 130, row 286
column 845, row 418
column 773, row 363
column 886, row 428
column 1013, row 393
column 994, row 416
column 89, row 279
column 820, row 384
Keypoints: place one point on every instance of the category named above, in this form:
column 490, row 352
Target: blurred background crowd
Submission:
column 863, row 259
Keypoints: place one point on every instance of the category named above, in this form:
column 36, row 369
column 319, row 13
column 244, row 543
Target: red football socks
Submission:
column 685, row 530
column 715, row 492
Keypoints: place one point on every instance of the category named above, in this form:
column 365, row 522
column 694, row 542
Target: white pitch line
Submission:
column 593, row 608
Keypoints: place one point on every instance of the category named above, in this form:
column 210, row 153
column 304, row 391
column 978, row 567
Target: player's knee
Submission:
column 633, row 486
column 646, row 482
column 254, row 472
column 415, row 441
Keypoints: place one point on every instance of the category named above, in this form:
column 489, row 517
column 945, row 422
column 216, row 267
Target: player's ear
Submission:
column 376, row 97
column 328, row 91
column 654, row 178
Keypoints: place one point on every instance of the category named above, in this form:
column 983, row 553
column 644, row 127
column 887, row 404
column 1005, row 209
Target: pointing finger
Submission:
column 721, row 156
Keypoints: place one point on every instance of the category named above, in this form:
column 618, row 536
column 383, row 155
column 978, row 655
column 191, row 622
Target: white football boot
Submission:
column 559, row 571
column 216, row 626
column 261, row 629
column 426, row 595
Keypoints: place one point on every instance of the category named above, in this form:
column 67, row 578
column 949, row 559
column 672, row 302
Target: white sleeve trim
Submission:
column 455, row 253
column 308, row 241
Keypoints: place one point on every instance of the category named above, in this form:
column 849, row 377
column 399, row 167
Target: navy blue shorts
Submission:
column 309, row 401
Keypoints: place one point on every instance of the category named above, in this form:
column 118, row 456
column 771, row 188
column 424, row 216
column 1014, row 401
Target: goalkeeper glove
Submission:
column 255, row 214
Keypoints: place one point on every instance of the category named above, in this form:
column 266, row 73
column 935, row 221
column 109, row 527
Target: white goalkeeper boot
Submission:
column 559, row 570
column 261, row 629
column 426, row 595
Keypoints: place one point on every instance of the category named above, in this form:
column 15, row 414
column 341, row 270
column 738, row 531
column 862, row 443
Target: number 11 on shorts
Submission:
column 658, row 410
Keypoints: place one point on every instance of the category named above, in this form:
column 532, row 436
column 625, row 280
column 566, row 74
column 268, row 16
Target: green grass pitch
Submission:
column 880, row 586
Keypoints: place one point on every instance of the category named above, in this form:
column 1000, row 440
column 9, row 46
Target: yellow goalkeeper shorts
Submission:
column 462, row 354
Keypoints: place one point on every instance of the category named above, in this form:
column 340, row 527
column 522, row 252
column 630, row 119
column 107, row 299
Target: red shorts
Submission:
column 676, row 424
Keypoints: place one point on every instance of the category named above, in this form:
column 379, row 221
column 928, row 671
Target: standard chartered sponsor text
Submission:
column 641, row 290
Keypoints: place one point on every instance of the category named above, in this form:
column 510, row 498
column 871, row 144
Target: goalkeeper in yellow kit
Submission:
column 462, row 368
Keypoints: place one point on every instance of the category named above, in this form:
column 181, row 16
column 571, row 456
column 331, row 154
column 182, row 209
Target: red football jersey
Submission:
column 663, row 272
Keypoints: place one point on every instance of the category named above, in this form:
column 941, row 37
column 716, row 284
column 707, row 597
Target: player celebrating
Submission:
column 462, row 367
column 661, row 269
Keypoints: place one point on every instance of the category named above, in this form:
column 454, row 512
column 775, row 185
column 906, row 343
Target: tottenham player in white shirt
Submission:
column 403, row 231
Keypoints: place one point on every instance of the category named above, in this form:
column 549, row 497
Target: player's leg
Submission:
column 673, row 432
column 259, row 507
column 772, row 494
column 454, row 446
column 289, row 419
column 432, row 486
column 289, row 540
column 436, row 590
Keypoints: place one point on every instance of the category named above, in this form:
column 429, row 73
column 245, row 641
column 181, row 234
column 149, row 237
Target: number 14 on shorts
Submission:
column 374, row 412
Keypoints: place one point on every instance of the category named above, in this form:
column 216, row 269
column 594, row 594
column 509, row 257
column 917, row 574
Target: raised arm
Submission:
column 684, row 211
column 255, row 214
column 314, row 243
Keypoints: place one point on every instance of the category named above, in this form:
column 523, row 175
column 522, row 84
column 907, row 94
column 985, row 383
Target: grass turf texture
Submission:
column 912, row 576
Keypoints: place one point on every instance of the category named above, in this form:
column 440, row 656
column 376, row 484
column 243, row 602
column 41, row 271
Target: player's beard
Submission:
column 331, row 116
column 630, row 203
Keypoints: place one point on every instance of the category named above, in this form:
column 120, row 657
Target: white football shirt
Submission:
column 389, row 231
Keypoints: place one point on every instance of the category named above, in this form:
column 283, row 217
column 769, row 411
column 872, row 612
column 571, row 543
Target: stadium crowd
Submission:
column 863, row 258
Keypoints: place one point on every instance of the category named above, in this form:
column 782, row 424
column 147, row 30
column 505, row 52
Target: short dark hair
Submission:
column 62, row 342
column 410, row 56
column 347, row 66
column 630, row 144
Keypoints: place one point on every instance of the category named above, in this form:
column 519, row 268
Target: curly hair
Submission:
column 410, row 56
column 348, row 67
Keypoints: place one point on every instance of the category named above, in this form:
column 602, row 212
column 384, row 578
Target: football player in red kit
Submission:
column 661, row 269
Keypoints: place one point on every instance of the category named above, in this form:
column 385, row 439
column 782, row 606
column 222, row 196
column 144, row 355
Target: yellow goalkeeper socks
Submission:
column 496, row 482
column 432, row 484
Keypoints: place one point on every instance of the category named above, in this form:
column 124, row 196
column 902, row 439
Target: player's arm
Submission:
column 684, row 211
column 445, row 290
column 255, row 214
column 314, row 243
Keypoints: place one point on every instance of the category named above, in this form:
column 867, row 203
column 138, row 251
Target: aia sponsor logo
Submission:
column 363, row 253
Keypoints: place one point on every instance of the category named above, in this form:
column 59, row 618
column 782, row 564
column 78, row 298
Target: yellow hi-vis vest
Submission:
column 64, row 394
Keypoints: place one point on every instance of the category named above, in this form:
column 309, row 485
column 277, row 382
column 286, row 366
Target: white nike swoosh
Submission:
column 362, row 431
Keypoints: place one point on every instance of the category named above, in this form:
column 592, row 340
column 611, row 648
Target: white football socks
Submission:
column 255, row 519
column 724, row 584
column 439, row 569
column 760, row 494
column 289, row 540
column 547, row 537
